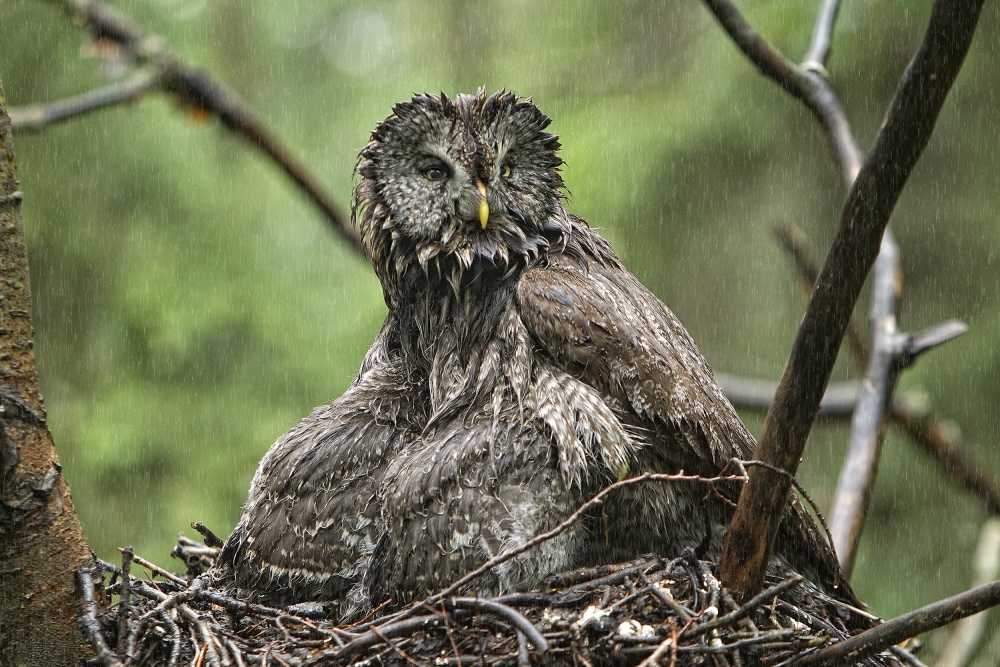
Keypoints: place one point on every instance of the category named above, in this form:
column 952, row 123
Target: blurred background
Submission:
column 190, row 306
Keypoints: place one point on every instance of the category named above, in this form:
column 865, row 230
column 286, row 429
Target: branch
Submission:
column 804, row 83
column 36, row 117
column 89, row 625
column 904, row 134
column 197, row 89
column 936, row 436
column 819, row 47
column 840, row 399
column 870, row 642
column 864, row 449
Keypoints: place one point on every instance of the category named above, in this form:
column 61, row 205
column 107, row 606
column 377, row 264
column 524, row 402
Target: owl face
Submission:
column 456, row 183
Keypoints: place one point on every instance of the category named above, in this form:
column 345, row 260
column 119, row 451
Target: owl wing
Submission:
column 602, row 325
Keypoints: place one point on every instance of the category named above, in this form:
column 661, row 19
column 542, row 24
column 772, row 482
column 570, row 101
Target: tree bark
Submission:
column 41, row 541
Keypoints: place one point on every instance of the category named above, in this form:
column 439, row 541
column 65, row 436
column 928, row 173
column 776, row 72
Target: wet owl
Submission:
column 520, row 369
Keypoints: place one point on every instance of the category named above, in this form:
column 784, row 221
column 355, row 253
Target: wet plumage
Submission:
column 520, row 369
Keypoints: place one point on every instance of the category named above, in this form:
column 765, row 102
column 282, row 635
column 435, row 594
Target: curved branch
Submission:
column 870, row 642
column 819, row 47
column 198, row 90
column 803, row 83
column 904, row 134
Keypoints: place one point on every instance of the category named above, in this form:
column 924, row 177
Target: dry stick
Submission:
column 904, row 134
column 932, row 433
column 156, row 569
column 197, row 89
column 126, row 599
column 511, row 615
column 89, row 624
column 819, row 47
column 36, row 117
column 870, row 642
column 857, row 476
column 806, row 84
column 570, row 521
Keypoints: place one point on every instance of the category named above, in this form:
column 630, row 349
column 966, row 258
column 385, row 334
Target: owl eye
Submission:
column 506, row 171
column 435, row 173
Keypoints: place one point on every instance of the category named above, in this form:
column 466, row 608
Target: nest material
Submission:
column 648, row 611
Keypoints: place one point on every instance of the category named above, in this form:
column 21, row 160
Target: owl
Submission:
column 521, row 368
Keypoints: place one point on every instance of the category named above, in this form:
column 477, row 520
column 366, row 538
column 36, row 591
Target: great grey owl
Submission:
column 521, row 368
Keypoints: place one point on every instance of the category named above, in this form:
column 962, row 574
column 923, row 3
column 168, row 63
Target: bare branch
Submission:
column 840, row 399
column 572, row 520
column 864, row 450
column 36, row 117
column 904, row 134
column 805, row 84
column 89, row 624
column 942, row 441
column 198, row 90
column 819, row 47
column 870, row 642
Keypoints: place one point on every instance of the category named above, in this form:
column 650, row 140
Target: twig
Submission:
column 196, row 89
column 912, row 624
column 126, row 599
column 935, row 436
column 803, row 83
column 570, row 521
column 522, row 624
column 36, row 117
column 89, row 624
column 211, row 539
column 819, row 47
column 857, row 475
column 156, row 569
column 840, row 399
column 904, row 134
column 746, row 608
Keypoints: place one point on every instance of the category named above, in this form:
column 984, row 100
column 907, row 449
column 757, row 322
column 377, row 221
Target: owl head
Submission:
column 455, row 187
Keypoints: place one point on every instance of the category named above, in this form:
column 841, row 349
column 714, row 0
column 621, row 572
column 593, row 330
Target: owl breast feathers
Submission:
column 520, row 369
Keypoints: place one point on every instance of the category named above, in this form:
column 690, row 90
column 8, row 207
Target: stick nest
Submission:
column 648, row 611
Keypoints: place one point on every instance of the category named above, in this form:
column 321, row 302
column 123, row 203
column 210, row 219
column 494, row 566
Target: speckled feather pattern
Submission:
column 521, row 368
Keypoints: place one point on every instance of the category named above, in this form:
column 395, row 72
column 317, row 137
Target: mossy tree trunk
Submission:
column 41, row 541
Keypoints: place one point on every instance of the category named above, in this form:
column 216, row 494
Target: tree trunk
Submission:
column 41, row 541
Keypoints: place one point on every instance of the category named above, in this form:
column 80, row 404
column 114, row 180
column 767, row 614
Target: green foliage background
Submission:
column 190, row 306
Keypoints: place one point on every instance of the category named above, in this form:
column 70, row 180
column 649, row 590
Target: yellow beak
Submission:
column 484, row 206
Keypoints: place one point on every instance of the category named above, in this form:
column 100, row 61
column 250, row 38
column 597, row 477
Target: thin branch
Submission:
column 89, row 624
column 803, row 83
column 942, row 441
column 512, row 615
column 904, row 134
column 572, row 519
column 819, row 47
column 936, row 436
column 36, row 117
column 870, row 642
column 839, row 400
column 196, row 89
column 864, row 449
